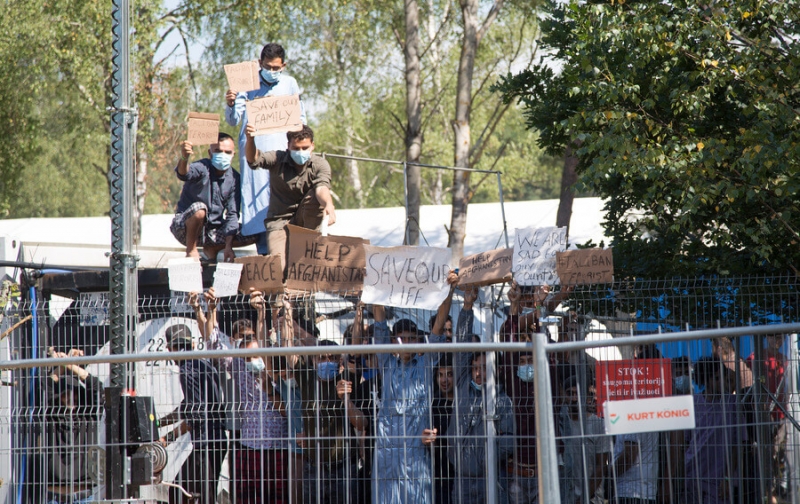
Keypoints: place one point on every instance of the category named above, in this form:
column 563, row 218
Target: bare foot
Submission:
column 211, row 253
column 193, row 253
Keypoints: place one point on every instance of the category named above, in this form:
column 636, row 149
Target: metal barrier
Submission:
column 514, row 413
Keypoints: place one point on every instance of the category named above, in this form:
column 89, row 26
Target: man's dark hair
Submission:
column 709, row 369
column 304, row 133
column 224, row 136
column 241, row 326
column 272, row 51
column 404, row 325
column 179, row 337
column 433, row 321
column 327, row 342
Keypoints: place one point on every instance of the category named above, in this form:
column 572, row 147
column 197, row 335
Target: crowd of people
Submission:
column 415, row 427
column 404, row 427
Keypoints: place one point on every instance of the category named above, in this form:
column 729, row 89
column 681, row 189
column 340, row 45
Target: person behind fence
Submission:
column 710, row 462
column 273, row 81
column 202, row 414
column 468, row 432
column 332, row 426
column 402, row 470
column 442, row 410
column 74, row 409
column 260, row 458
column 772, row 369
column 207, row 213
column 367, row 384
column 586, row 448
column 300, row 186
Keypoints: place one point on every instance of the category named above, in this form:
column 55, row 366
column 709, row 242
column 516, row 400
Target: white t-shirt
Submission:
column 640, row 480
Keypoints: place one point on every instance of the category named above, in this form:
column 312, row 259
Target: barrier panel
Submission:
column 322, row 399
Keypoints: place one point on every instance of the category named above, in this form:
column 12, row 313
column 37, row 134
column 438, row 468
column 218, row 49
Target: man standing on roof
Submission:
column 300, row 186
column 255, row 184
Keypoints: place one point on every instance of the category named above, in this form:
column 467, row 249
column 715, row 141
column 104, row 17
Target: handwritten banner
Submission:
column 632, row 379
column 185, row 275
column 262, row 273
column 535, row 255
column 274, row 114
column 412, row 277
column 317, row 263
column 243, row 76
column 587, row 266
column 203, row 128
column 486, row 268
column 226, row 279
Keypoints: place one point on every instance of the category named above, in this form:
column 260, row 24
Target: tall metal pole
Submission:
column 122, row 264
column 546, row 452
column 122, row 278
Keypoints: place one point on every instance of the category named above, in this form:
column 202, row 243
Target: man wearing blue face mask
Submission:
column 207, row 213
column 300, row 186
column 255, row 183
column 332, row 425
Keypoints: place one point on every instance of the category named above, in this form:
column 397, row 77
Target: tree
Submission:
column 688, row 116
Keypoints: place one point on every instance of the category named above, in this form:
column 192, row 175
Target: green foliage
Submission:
column 687, row 120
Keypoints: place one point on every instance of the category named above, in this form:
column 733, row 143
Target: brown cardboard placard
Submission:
column 243, row 76
column 203, row 128
column 274, row 114
column 317, row 263
column 486, row 268
column 585, row 266
column 263, row 273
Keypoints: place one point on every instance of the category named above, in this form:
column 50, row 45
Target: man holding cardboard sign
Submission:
column 255, row 183
column 300, row 187
column 208, row 209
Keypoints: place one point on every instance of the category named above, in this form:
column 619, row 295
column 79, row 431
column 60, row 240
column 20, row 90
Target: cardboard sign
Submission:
column 262, row 273
column 587, row 266
column 226, row 279
column 632, row 379
column 486, row 268
column 203, row 128
column 412, row 277
column 274, row 114
column 649, row 415
column 319, row 263
column 243, row 76
column 185, row 275
column 535, row 255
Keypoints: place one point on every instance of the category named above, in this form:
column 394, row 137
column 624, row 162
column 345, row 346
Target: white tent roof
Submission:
column 84, row 241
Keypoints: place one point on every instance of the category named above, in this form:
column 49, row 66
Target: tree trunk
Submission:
column 414, row 117
column 352, row 167
column 569, row 176
column 141, row 195
column 461, row 127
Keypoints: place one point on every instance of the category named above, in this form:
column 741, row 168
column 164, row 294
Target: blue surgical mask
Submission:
column 255, row 366
column 327, row 370
column 369, row 374
column 475, row 386
column 682, row 384
column 300, row 157
column 525, row 373
column 271, row 76
column 221, row 161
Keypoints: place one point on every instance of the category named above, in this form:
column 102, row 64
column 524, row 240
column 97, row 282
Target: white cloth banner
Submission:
column 185, row 275
column 406, row 277
column 535, row 250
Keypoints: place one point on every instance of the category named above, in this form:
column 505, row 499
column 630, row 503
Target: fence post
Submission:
column 491, row 416
column 546, row 454
column 792, row 377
